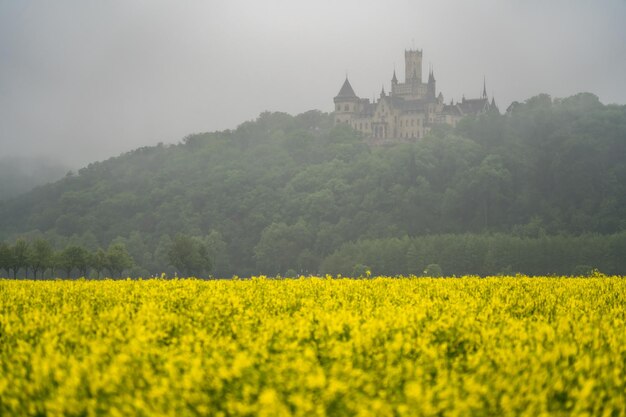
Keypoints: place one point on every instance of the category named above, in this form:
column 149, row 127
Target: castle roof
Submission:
column 346, row 90
column 473, row 106
column 467, row 107
column 451, row 109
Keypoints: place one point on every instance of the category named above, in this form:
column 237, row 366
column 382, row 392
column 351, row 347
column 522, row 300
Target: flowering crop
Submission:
column 314, row 347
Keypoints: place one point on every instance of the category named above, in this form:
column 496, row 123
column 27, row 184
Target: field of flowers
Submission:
column 314, row 347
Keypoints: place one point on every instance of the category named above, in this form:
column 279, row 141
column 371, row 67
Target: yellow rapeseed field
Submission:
column 314, row 347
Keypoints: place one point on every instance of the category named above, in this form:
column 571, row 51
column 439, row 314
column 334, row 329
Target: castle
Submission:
column 409, row 111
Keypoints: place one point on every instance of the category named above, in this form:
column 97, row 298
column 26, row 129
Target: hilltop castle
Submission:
column 409, row 111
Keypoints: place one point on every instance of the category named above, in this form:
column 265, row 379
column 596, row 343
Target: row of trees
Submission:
column 188, row 255
column 481, row 254
column 39, row 257
column 434, row 255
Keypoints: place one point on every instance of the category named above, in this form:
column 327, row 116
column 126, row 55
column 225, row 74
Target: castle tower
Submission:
column 413, row 65
column 346, row 103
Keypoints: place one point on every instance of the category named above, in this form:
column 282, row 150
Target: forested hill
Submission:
column 287, row 192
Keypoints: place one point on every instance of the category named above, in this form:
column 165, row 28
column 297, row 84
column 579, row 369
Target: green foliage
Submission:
column 75, row 258
column 99, row 261
column 582, row 271
column 481, row 254
column 189, row 256
column 291, row 273
column 17, row 257
column 361, row 271
column 118, row 259
column 280, row 245
column 5, row 257
column 34, row 259
column 40, row 256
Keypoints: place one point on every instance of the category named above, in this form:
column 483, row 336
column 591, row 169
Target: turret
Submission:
column 394, row 83
column 493, row 107
column 346, row 103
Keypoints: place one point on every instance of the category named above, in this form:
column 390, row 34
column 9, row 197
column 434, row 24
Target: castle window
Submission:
column 346, row 108
column 412, row 122
column 338, row 107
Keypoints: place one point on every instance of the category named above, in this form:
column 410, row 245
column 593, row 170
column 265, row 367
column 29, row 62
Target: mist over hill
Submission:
column 20, row 174
column 295, row 193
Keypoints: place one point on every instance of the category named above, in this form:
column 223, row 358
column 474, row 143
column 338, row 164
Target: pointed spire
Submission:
column 346, row 90
column 382, row 92
column 394, row 80
column 485, row 87
column 494, row 107
column 431, row 75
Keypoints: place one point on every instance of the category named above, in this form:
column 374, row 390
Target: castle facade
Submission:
column 409, row 111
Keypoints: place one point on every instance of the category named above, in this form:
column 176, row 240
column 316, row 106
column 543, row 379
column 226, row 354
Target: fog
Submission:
column 86, row 80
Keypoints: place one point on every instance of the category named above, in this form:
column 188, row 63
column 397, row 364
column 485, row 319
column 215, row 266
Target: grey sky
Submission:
column 85, row 80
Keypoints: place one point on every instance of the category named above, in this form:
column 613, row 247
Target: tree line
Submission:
column 481, row 254
column 38, row 259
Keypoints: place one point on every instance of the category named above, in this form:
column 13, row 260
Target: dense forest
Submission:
column 541, row 189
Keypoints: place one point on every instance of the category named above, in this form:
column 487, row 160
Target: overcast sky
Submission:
column 85, row 80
